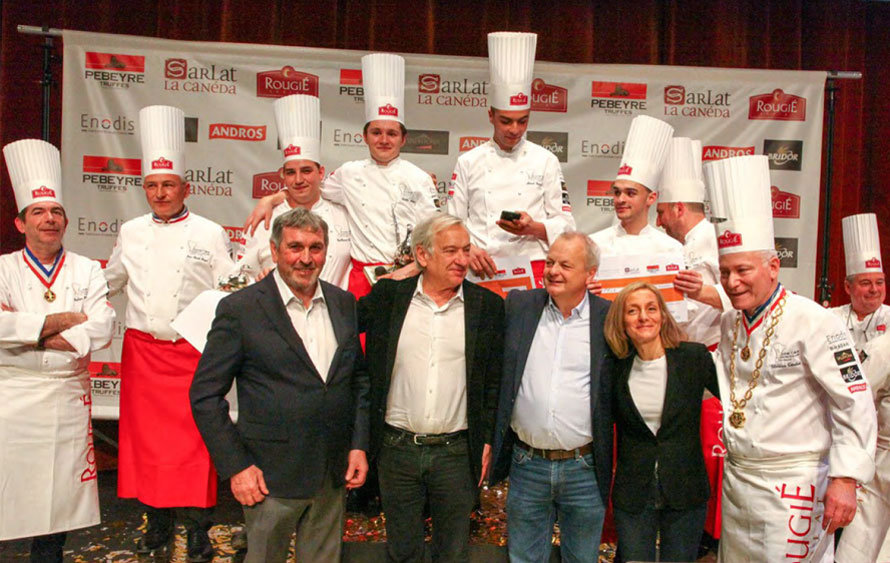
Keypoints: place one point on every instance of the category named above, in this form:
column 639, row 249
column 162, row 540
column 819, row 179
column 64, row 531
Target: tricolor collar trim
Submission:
column 752, row 322
column 181, row 216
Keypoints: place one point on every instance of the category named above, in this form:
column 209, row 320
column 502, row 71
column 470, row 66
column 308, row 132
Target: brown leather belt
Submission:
column 556, row 455
column 427, row 439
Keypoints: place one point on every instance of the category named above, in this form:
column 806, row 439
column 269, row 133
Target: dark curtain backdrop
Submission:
column 779, row 34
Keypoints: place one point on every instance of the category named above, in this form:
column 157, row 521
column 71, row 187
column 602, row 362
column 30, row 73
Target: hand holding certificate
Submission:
column 617, row 272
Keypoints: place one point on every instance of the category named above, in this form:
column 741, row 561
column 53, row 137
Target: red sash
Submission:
column 162, row 459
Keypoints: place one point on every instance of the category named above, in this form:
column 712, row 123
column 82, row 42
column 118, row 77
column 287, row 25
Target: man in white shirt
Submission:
column 866, row 316
column 299, row 133
column 554, row 428
column 509, row 172
column 634, row 192
column 164, row 260
column 53, row 313
column 434, row 346
column 799, row 419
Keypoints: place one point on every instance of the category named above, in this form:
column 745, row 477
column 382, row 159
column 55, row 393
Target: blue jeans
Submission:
column 680, row 530
column 542, row 492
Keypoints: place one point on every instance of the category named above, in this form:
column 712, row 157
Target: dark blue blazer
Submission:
column 523, row 310
column 292, row 424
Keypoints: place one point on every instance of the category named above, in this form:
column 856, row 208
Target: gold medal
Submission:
column 746, row 353
column 737, row 419
column 49, row 295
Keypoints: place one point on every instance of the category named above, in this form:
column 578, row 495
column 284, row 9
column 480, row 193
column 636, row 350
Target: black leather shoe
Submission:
column 199, row 548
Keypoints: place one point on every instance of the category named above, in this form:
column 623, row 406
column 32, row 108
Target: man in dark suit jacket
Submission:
column 434, row 349
column 291, row 344
column 554, row 426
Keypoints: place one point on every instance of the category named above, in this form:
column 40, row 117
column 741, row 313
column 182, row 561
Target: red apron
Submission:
column 538, row 272
column 714, row 452
column 358, row 282
column 163, row 461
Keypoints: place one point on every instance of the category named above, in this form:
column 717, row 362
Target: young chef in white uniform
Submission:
column 53, row 313
column 299, row 132
column 799, row 422
column 509, row 172
column 634, row 192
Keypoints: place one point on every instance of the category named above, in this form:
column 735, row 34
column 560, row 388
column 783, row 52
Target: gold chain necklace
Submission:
column 737, row 418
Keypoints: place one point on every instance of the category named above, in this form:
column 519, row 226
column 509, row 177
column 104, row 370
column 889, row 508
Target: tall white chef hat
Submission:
column 162, row 131
column 383, row 80
column 645, row 151
column 681, row 179
column 862, row 245
column 740, row 194
column 35, row 170
column 511, row 63
column 298, row 118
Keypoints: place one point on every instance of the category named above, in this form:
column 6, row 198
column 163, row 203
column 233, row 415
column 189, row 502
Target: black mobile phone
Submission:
column 510, row 216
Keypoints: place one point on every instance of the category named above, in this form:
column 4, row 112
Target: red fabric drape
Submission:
column 778, row 34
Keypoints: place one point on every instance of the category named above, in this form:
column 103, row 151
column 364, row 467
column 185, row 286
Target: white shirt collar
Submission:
column 419, row 290
column 287, row 295
column 581, row 310
column 520, row 146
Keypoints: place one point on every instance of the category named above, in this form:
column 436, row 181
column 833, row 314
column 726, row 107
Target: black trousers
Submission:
column 48, row 548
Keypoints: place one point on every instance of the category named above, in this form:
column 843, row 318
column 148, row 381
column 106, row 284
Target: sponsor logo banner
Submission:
column 351, row 84
column 845, row 356
column 549, row 97
column 556, row 142
column 618, row 98
column 716, row 152
column 284, row 82
column 678, row 101
column 432, row 89
column 873, row 262
column 181, row 75
column 604, row 149
column 599, row 195
column 468, row 143
column 191, row 129
column 728, row 239
column 43, row 191
column 236, row 234
column 786, row 248
column 105, row 379
column 267, row 183
column 237, row 132
column 209, row 181
column 851, row 373
column 783, row 155
column 111, row 174
column 777, row 105
column 786, row 205
column 426, row 142
column 345, row 138
column 114, row 70
column 104, row 227
column 112, row 124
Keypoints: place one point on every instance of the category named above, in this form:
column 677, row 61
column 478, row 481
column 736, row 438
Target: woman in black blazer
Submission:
column 661, row 488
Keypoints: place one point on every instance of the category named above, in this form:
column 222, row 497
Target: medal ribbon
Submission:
column 46, row 276
column 752, row 322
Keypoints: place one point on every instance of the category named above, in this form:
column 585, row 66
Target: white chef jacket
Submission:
column 614, row 240
column 488, row 180
column 811, row 404
column 700, row 254
column 863, row 538
column 872, row 326
column 47, row 465
column 164, row 266
column 806, row 401
column 372, row 194
column 257, row 254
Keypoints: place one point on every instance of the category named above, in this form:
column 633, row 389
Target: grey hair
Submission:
column 298, row 218
column 767, row 255
column 424, row 234
column 591, row 251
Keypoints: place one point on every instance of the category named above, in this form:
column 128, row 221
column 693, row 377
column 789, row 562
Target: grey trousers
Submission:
column 318, row 522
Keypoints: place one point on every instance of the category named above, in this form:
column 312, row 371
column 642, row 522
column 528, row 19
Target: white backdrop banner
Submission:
column 581, row 113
